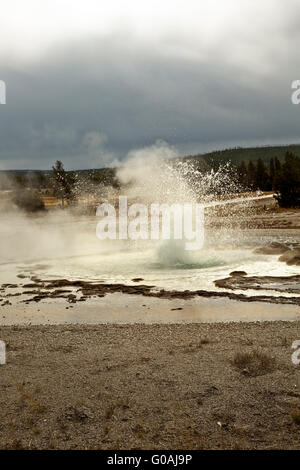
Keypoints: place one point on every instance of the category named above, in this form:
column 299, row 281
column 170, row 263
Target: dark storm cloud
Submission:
column 90, row 102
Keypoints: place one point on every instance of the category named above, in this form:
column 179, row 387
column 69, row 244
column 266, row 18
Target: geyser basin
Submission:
column 68, row 249
column 58, row 270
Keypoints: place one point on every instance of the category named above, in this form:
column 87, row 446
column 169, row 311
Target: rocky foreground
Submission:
column 196, row 386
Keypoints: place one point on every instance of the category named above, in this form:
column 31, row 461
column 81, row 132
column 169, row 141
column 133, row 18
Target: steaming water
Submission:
column 169, row 267
column 69, row 249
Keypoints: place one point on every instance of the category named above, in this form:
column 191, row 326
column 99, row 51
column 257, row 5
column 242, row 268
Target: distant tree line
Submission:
column 24, row 179
column 27, row 186
column 45, row 179
column 282, row 178
column 257, row 175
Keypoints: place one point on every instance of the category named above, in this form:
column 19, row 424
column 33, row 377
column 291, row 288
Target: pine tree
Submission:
column 242, row 172
column 62, row 183
column 287, row 182
column 272, row 172
column 251, row 180
column 261, row 176
column 277, row 165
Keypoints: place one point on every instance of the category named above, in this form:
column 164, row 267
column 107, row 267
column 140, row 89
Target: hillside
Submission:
column 239, row 154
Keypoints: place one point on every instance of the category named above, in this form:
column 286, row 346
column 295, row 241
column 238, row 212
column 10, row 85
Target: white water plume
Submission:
column 150, row 175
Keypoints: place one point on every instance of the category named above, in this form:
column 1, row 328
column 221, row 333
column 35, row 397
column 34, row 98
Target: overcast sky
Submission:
column 90, row 81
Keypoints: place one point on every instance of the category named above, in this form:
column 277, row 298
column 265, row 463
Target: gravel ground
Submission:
column 195, row 386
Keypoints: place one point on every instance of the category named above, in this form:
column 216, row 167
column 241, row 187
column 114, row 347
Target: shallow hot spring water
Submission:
column 166, row 264
column 69, row 249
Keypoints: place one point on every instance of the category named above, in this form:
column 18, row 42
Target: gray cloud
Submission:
column 90, row 101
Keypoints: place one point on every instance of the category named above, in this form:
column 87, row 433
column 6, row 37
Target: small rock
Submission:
column 291, row 257
column 274, row 248
column 238, row 273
